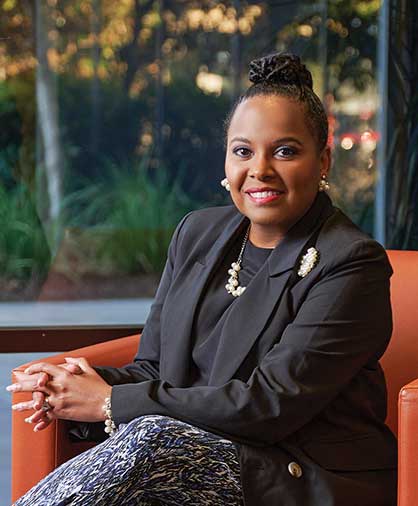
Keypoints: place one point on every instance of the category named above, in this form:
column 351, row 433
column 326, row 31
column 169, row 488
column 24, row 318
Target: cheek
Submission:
column 234, row 174
column 304, row 177
column 227, row 167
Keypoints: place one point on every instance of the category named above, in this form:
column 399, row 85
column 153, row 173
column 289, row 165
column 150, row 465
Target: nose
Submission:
column 261, row 168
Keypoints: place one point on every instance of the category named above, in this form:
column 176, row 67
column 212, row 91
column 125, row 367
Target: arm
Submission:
column 144, row 367
column 146, row 363
column 333, row 336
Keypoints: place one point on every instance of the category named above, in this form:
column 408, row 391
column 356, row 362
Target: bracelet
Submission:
column 110, row 426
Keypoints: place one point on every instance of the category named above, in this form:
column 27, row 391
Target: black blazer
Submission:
column 296, row 376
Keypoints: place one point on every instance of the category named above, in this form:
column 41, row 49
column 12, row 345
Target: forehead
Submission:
column 264, row 116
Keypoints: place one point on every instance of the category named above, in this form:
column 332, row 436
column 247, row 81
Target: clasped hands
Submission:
column 71, row 391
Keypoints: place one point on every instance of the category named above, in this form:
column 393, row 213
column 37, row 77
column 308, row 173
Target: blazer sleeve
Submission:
column 146, row 362
column 334, row 334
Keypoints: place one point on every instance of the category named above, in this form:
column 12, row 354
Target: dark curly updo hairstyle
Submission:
column 285, row 75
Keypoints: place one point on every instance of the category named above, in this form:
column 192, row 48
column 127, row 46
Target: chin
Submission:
column 267, row 214
column 268, row 221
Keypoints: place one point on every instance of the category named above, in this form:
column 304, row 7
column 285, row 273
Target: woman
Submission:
column 257, row 378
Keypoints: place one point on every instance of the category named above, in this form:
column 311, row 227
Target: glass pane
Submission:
column 114, row 128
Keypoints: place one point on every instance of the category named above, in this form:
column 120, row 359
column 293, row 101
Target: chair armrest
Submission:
column 408, row 444
column 34, row 455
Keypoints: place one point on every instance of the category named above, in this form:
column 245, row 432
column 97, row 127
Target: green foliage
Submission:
column 131, row 216
column 121, row 218
column 111, row 132
column 17, row 135
column 10, row 137
column 189, row 143
column 23, row 248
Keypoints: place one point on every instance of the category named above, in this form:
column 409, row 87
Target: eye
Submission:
column 286, row 151
column 242, row 152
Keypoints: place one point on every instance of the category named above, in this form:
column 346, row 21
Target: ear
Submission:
column 325, row 161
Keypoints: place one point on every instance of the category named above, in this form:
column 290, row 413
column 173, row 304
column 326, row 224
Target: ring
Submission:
column 46, row 406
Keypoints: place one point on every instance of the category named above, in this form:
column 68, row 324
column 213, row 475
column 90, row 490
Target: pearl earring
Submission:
column 225, row 184
column 323, row 183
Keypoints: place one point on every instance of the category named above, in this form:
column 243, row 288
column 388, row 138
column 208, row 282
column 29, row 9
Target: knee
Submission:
column 150, row 426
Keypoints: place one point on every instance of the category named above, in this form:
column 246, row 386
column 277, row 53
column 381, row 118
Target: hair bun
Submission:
column 280, row 68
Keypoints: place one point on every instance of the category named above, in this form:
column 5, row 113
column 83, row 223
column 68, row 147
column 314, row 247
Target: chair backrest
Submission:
column 400, row 361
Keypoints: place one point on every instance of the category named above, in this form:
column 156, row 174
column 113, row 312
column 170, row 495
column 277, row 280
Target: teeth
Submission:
column 263, row 195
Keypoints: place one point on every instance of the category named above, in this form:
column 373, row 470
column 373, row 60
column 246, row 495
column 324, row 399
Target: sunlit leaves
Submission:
column 222, row 19
column 337, row 27
column 54, row 59
column 151, row 19
column 209, row 82
column 368, row 8
column 121, row 25
column 9, row 5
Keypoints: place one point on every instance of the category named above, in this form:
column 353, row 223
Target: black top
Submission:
column 215, row 306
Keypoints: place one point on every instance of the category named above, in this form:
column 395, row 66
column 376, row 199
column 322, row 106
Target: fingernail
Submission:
column 13, row 388
column 16, row 407
column 28, row 420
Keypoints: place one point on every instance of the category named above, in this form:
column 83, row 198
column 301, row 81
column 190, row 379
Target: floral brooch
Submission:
column 308, row 262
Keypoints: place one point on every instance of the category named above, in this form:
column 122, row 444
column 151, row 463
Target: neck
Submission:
column 265, row 238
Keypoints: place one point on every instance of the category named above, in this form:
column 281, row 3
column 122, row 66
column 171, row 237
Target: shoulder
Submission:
column 198, row 230
column 211, row 215
column 208, row 220
column 342, row 242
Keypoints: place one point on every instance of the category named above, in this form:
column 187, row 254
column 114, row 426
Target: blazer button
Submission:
column 295, row 470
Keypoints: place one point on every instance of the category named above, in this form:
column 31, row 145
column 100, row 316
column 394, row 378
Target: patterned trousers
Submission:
column 151, row 461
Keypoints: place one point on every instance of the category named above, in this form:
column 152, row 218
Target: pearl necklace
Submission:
column 233, row 286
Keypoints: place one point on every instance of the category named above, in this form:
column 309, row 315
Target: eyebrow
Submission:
column 277, row 141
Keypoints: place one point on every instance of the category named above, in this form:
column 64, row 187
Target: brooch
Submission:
column 308, row 262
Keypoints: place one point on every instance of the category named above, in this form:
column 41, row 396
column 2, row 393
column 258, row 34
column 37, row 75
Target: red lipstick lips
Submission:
column 263, row 195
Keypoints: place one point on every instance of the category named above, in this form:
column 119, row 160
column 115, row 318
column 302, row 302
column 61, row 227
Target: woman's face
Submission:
column 273, row 165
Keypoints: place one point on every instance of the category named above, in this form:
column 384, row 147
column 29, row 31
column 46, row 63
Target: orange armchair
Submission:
column 51, row 447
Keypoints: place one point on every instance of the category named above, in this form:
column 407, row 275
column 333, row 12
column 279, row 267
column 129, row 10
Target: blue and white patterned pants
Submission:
column 151, row 461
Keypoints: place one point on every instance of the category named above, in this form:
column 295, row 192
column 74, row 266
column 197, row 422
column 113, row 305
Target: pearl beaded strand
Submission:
column 233, row 287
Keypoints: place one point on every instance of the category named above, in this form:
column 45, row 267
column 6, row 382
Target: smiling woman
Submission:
column 273, row 165
column 264, row 390
column 276, row 148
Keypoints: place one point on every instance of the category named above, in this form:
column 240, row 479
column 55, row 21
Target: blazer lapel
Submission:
column 251, row 312
column 246, row 321
column 184, row 297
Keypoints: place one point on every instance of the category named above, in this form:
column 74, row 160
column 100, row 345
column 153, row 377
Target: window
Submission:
column 111, row 116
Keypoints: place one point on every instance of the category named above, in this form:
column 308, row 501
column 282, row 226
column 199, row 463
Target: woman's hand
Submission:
column 71, row 396
column 27, row 382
